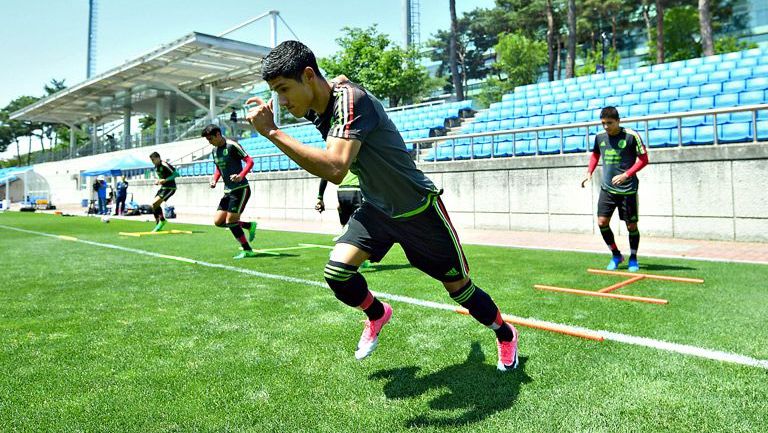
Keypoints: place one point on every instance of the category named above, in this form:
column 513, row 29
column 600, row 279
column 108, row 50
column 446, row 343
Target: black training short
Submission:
column 165, row 193
column 349, row 201
column 234, row 201
column 627, row 204
column 429, row 240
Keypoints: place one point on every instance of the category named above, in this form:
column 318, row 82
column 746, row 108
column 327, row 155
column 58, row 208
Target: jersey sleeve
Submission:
column 639, row 145
column 237, row 148
column 354, row 116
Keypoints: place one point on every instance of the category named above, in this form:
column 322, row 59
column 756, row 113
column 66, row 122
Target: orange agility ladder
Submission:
column 605, row 292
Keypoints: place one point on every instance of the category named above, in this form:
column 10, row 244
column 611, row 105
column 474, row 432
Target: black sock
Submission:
column 158, row 212
column 237, row 232
column 483, row 309
column 351, row 288
column 609, row 240
column 244, row 225
column 634, row 242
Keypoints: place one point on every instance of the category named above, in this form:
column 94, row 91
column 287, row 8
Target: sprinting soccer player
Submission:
column 624, row 154
column 400, row 204
column 229, row 157
column 166, row 175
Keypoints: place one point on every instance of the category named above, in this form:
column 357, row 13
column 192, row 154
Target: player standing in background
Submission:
column 166, row 174
column 624, row 154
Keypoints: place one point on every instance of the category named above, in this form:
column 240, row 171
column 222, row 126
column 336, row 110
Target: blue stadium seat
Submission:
column 535, row 121
column 710, row 89
column 520, row 122
column 735, row 132
column 708, row 67
column 583, row 116
column 719, row 76
column 741, row 116
column 661, row 138
column 762, row 130
column 504, row 149
column 559, row 97
column 760, row 71
column 637, row 110
column 749, row 62
column 613, row 101
column 589, row 94
column 754, row 52
column 574, row 143
column 641, row 86
column 632, row 79
column 565, row 118
column 578, row 105
column 548, row 108
column 630, row 99
column 563, row 107
column 533, row 110
column 668, row 74
column 658, row 108
column 688, row 135
column 757, row 83
column 622, row 89
column 752, row 97
column 704, row 135
column 726, row 100
column 547, row 99
column 703, row 103
column 649, row 97
column 695, row 121
column 689, row 92
column 741, row 73
column 659, row 84
column 733, row 56
column 549, row 146
column 668, row 94
column 679, row 105
column 734, row 86
column 697, row 79
column 524, row 147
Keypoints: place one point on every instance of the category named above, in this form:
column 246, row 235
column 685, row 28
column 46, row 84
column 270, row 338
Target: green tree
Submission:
column 17, row 129
column 370, row 59
column 680, row 36
column 594, row 57
column 729, row 44
column 518, row 62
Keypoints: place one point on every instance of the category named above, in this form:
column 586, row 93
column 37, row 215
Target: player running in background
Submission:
column 624, row 154
column 400, row 204
column 166, row 178
column 229, row 157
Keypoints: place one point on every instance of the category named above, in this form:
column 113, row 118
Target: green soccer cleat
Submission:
column 252, row 232
column 244, row 254
column 159, row 226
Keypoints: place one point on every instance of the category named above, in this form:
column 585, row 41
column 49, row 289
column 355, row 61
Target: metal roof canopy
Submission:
column 184, row 66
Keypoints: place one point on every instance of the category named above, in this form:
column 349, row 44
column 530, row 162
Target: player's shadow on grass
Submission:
column 658, row 267
column 472, row 390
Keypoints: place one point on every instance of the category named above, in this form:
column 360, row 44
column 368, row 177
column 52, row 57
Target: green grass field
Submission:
column 96, row 339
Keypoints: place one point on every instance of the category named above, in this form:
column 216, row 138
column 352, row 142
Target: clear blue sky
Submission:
column 44, row 39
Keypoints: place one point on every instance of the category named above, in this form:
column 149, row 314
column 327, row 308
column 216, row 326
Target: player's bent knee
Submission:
column 346, row 283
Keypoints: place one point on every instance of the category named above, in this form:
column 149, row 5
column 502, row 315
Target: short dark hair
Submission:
column 609, row 112
column 288, row 60
column 154, row 155
column 210, row 131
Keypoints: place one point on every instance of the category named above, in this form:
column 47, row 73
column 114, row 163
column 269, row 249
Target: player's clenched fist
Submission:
column 261, row 116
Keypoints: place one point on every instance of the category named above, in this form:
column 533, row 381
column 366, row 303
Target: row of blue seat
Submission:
column 522, row 146
column 740, row 59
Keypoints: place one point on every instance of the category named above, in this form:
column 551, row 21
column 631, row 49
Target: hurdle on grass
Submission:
column 163, row 232
column 605, row 292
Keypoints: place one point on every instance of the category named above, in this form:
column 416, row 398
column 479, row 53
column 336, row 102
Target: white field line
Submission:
column 683, row 349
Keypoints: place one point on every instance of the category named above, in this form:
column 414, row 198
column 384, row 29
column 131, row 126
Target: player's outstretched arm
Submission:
column 331, row 163
column 593, row 160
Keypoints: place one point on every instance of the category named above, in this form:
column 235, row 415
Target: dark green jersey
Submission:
column 229, row 160
column 164, row 171
column 619, row 153
column 389, row 179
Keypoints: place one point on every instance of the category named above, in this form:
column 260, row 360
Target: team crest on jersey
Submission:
column 225, row 152
column 622, row 144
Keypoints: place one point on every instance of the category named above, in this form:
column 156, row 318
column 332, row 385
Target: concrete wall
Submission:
column 696, row 193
